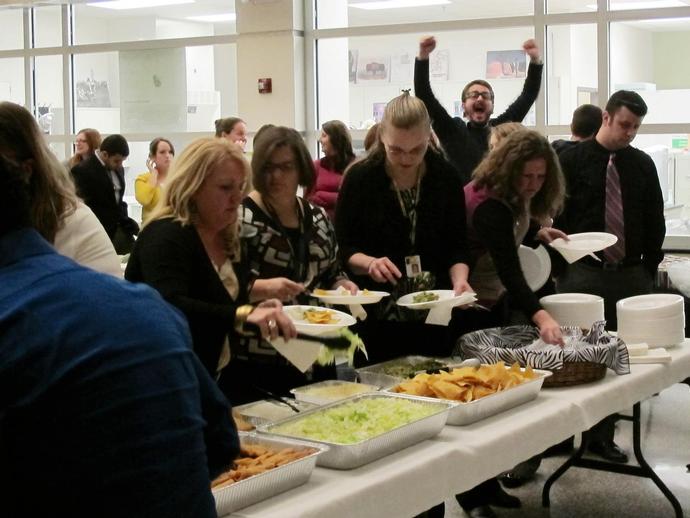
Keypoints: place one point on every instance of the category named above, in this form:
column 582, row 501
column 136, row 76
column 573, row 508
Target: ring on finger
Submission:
column 271, row 325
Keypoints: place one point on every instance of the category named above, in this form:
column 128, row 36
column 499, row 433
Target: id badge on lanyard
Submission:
column 413, row 265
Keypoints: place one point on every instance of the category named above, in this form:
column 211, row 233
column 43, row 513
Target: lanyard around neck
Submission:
column 412, row 214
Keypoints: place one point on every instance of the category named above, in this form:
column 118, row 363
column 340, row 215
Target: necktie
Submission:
column 614, row 212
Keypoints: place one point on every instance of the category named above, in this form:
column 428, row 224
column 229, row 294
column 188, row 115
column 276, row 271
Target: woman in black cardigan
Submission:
column 190, row 252
column 403, row 200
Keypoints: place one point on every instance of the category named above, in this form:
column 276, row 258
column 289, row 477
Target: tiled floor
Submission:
column 583, row 493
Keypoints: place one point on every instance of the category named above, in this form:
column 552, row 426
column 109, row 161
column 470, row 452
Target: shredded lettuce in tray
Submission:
column 328, row 356
column 357, row 421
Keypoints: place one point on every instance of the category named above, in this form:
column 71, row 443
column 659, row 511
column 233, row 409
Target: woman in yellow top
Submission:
column 147, row 186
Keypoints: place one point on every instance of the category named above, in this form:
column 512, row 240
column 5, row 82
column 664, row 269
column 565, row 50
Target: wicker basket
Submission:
column 576, row 373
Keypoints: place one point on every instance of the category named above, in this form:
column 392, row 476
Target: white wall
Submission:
column 631, row 55
column 467, row 62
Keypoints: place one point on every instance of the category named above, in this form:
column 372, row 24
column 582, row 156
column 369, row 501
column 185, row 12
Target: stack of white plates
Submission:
column 657, row 319
column 574, row 309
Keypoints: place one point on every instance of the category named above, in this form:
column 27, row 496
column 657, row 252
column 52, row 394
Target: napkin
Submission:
column 301, row 353
column 439, row 315
column 357, row 311
column 658, row 355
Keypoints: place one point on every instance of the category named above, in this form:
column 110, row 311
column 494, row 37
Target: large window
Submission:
column 94, row 23
column 572, row 70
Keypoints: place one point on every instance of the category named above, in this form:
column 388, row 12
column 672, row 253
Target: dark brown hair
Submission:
column 341, row 141
column 153, row 146
column 268, row 142
column 51, row 190
column 226, row 125
column 466, row 90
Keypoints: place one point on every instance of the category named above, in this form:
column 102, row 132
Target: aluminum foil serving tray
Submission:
column 468, row 413
column 378, row 374
column 349, row 456
column 237, row 495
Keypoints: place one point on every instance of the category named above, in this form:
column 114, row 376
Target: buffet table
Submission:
column 413, row 480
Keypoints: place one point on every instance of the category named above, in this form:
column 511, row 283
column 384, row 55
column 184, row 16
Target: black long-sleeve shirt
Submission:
column 493, row 224
column 584, row 167
column 465, row 143
column 368, row 219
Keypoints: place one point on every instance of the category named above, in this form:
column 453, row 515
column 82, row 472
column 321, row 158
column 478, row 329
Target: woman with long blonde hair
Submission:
column 189, row 250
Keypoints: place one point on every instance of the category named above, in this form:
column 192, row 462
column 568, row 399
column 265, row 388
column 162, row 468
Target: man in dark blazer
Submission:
column 100, row 182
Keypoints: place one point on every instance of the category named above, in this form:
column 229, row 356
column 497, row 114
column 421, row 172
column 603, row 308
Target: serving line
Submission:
column 416, row 478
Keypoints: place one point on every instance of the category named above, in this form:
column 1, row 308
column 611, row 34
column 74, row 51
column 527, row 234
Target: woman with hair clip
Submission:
column 291, row 247
column 336, row 144
column 233, row 129
column 147, row 186
column 400, row 211
column 86, row 143
column 189, row 250
column 56, row 212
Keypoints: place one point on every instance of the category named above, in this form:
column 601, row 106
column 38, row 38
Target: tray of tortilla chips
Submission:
column 265, row 467
column 481, row 392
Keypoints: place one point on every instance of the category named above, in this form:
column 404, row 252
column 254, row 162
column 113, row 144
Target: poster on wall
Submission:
column 373, row 69
column 438, row 65
column 402, row 68
column 352, row 62
column 92, row 93
column 505, row 64
column 379, row 108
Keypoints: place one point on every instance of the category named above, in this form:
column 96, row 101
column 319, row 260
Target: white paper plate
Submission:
column 536, row 266
column 586, row 241
column 304, row 326
column 342, row 297
column 445, row 297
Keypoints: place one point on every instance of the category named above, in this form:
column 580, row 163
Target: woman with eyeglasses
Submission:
column 86, row 143
column 401, row 211
column 291, row 248
column 189, row 250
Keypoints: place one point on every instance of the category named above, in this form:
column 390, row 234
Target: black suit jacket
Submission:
column 95, row 187
column 171, row 258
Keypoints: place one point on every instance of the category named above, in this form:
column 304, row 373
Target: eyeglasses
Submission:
column 284, row 167
column 80, row 140
column 476, row 95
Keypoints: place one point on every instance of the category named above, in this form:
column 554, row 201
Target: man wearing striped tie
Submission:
column 613, row 187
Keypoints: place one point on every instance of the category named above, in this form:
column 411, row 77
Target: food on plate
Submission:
column 335, row 391
column 319, row 316
column 356, row 421
column 405, row 368
column 327, row 356
column 467, row 384
column 341, row 292
column 255, row 459
column 425, row 296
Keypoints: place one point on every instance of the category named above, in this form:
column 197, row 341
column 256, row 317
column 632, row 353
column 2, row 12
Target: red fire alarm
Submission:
column 265, row 85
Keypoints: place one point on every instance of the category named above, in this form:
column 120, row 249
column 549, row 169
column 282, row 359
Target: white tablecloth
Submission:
column 412, row 480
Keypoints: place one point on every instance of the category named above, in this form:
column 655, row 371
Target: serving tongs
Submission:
column 331, row 342
column 470, row 362
column 276, row 397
